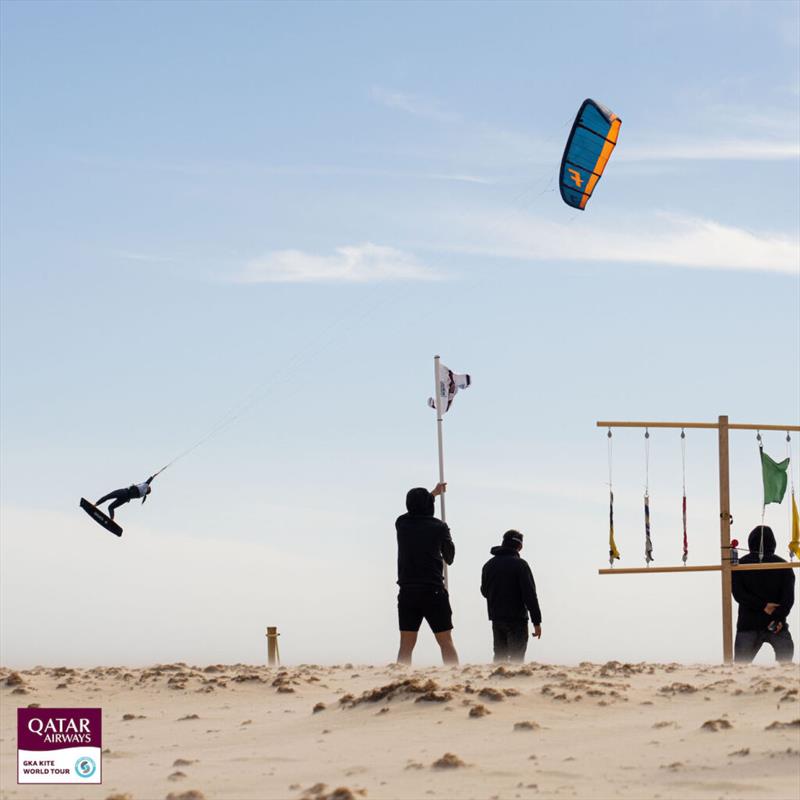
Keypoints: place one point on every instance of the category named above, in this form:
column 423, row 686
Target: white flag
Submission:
column 449, row 384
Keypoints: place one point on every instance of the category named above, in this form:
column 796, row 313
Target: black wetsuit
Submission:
column 122, row 496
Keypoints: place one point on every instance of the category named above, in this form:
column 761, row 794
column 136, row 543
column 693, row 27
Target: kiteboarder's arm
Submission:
column 440, row 488
column 787, row 594
column 528, row 590
column 448, row 549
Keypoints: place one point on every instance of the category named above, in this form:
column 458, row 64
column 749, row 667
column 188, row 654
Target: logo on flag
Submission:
column 448, row 384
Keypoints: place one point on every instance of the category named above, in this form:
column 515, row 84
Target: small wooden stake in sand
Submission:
column 273, row 654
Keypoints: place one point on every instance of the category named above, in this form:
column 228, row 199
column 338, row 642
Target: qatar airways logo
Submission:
column 61, row 730
column 59, row 745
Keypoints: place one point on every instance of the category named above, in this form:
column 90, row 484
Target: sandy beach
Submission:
column 314, row 733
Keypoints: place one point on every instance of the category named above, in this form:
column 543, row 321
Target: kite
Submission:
column 590, row 144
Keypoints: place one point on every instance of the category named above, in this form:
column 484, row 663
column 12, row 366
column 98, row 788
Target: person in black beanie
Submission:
column 765, row 598
column 507, row 584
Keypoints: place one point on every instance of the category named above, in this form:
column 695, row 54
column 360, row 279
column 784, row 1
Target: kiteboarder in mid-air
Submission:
column 122, row 496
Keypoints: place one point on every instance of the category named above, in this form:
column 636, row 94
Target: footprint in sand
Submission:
column 192, row 794
column 782, row 726
column 714, row 725
column 15, row 679
column 448, row 761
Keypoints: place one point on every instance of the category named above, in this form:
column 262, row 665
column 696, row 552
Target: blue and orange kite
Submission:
column 590, row 144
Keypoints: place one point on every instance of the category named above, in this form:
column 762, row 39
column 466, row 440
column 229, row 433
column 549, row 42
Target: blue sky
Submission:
column 300, row 204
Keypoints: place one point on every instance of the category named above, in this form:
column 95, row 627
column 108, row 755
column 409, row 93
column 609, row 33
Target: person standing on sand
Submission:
column 765, row 598
column 507, row 584
column 424, row 546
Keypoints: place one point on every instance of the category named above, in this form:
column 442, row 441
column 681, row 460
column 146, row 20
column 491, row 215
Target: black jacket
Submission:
column 507, row 584
column 424, row 543
column 753, row 589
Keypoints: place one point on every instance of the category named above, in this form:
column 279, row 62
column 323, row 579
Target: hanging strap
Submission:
column 683, row 504
column 648, row 543
column 613, row 553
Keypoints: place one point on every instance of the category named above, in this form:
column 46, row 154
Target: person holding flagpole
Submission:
column 424, row 546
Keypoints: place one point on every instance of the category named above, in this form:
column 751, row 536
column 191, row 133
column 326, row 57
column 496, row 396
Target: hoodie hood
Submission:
column 420, row 502
column 503, row 550
column 754, row 540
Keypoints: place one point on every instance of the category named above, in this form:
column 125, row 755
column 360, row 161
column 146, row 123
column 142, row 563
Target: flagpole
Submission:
column 438, row 402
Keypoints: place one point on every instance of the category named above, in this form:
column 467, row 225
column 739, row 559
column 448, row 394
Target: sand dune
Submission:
column 236, row 732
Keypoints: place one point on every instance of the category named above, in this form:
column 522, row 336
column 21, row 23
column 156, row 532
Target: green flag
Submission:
column 774, row 478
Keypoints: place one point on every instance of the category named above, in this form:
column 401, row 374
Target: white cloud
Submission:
column 762, row 144
column 713, row 150
column 147, row 258
column 657, row 239
column 459, row 178
column 412, row 104
column 362, row 263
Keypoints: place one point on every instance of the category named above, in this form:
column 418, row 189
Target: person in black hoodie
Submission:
column 424, row 546
column 507, row 584
column 765, row 598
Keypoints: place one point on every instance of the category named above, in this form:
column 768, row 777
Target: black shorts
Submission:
column 415, row 603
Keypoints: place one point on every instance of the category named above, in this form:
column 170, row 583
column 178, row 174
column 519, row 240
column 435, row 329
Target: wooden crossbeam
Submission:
column 739, row 426
column 699, row 568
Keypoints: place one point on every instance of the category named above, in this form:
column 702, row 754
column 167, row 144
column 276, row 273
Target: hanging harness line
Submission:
column 794, row 544
column 648, row 543
column 613, row 553
column 683, row 505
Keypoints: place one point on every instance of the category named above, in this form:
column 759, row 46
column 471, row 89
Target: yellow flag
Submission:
column 794, row 545
column 613, row 553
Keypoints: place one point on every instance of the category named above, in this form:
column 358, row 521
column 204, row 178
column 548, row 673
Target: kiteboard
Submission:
column 98, row 516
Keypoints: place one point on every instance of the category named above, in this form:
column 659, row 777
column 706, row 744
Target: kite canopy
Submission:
column 590, row 144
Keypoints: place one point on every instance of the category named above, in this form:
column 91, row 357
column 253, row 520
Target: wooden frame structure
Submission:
column 723, row 426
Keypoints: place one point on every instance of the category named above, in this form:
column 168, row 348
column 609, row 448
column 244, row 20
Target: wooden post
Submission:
column 725, row 541
column 272, row 647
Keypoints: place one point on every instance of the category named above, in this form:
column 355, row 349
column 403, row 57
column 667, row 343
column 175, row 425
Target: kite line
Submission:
column 323, row 341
